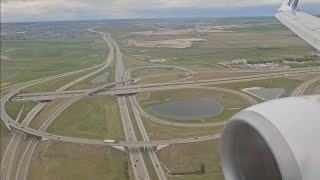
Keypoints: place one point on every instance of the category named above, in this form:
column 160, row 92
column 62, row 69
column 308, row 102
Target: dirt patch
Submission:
column 174, row 43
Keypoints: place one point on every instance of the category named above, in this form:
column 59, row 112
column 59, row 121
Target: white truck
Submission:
column 110, row 141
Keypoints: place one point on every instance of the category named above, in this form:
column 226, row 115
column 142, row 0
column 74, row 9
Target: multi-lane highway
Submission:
column 10, row 155
column 135, row 154
column 166, row 86
column 152, row 154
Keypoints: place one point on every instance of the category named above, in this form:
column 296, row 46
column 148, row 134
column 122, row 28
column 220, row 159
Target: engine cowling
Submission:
column 279, row 139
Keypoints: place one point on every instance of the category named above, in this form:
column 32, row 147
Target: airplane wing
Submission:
column 304, row 25
column 276, row 139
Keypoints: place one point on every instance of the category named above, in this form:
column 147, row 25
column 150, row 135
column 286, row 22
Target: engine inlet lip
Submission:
column 279, row 147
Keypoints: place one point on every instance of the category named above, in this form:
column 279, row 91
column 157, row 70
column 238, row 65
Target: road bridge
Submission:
column 162, row 86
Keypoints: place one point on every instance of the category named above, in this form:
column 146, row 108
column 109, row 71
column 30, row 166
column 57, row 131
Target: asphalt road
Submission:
column 11, row 152
column 164, row 86
column 316, row 90
column 10, row 156
column 302, row 88
column 23, row 166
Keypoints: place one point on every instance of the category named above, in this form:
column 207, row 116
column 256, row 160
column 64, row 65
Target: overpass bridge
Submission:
column 134, row 89
column 48, row 136
column 42, row 97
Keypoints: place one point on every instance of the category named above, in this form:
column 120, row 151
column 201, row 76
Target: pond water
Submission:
column 2, row 57
column 265, row 93
column 188, row 109
column 100, row 79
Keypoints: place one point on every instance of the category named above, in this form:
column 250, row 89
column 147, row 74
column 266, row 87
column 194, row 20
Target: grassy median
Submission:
column 13, row 108
column 46, row 112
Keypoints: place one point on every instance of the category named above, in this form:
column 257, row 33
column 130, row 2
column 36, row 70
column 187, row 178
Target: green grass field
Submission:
column 181, row 158
column 46, row 112
column 215, row 55
column 93, row 117
column 132, row 63
column 161, row 132
column 13, row 108
column 34, row 59
column 161, row 79
column 288, row 84
column 5, row 91
column 86, row 84
column 134, row 122
column 55, row 84
column 152, row 172
column 65, row 161
column 155, row 70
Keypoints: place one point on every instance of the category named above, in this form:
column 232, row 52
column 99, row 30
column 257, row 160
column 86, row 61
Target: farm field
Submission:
column 34, row 59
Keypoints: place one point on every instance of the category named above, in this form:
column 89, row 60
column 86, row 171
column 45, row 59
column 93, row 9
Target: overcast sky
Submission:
column 51, row 10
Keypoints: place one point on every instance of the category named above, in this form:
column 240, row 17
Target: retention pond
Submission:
column 188, row 109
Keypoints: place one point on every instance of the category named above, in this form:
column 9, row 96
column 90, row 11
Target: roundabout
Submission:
column 213, row 105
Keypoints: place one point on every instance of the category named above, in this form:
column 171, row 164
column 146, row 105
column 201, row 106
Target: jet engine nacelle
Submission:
column 279, row 139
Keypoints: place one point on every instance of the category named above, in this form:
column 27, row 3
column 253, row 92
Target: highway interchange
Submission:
column 123, row 88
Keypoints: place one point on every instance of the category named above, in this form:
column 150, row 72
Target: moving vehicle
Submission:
column 110, row 141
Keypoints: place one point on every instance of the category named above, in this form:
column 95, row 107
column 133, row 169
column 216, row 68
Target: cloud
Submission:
column 39, row 10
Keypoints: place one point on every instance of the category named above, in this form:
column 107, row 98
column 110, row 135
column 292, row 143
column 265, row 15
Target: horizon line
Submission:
column 144, row 18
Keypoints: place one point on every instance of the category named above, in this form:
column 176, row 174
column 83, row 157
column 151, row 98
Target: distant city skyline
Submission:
column 61, row 10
